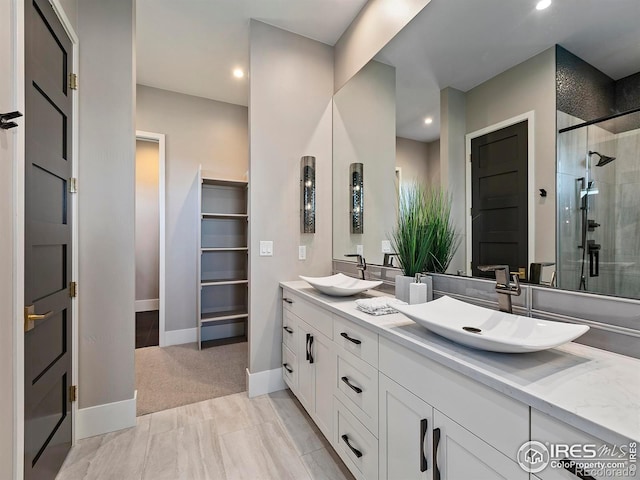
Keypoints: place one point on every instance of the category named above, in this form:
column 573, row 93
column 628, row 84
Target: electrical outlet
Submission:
column 386, row 246
column 302, row 252
column 266, row 248
column 360, row 249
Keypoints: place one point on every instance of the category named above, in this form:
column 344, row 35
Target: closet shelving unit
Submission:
column 223, row 259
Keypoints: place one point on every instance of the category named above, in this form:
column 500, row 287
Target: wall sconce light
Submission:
column 356, row 186
column 308, row 194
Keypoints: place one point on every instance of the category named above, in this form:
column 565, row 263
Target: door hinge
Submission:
column 73, row 185
column 73, row 289
column 73, row 81
column 73, row 393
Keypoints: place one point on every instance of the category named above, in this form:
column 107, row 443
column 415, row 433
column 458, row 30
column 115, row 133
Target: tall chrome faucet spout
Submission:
column 503, row 285
column 362, row 264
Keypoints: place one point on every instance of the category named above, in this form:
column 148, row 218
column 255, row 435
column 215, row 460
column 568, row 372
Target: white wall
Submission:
column 376, row 24
column 147, row 220
column 291, row 86
column 8, row 317
column 364, row 131
column 412, row 157
column 528, row 86
column 106, row 202
column 198, row 131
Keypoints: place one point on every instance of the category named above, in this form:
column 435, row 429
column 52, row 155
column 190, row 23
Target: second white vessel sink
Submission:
column 486, row 329
column 340, row 285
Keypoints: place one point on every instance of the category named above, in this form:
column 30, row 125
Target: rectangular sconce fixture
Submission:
column 356, row 192
column 308, row 194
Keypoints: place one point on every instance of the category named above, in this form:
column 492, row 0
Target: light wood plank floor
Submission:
column 234, row 437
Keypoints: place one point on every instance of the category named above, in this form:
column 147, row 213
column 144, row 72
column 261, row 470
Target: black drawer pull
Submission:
column 288, row 300
column 351, row 386
column 287, row 329
column 423, row 433
column 287, row 367
column 353, row 340
column 571, row 468
column 436, row 442
column 355, row 451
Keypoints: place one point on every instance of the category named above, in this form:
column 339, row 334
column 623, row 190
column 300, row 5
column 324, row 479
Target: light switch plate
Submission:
column 266, row 248
column 360, row 249
column 386, row 246
column 302, row 252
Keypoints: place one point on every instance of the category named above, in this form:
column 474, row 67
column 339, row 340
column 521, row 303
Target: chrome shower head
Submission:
column 603, row 159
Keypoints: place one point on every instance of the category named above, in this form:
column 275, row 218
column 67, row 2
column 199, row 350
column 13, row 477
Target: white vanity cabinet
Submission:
column 312, row 349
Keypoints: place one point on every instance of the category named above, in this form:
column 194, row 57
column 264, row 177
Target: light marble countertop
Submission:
column 593, row 390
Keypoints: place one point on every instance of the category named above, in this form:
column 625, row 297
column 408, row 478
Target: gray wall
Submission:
column 8, row 318
column 70, row 8
column 412, row 157
column 147, row 220
column 433, row 164
column 528, row 86
column 198, row 131
column 106, row 202
column 291, row 86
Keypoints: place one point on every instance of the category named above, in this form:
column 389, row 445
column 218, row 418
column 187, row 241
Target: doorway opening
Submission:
column 150, row 239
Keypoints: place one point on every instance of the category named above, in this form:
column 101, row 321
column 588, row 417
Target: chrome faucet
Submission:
column 362, row 264
column 503, row 286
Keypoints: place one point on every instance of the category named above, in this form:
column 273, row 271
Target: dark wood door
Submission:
column 47, row 342
column 499, row 210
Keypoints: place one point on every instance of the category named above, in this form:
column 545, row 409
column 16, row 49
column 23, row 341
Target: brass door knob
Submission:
column 30, row 317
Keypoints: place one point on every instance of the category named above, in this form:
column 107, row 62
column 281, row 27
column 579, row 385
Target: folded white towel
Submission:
column 378, row 305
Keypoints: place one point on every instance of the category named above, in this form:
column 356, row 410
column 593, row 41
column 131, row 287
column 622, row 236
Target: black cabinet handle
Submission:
column 355, row 451
column 423, row 433
column 307, row 346
column 571, row 468
column 351, row 386
column 287, row 329
column 353, row 340
column 287, row 367
column 436, row 442
column 288, row 300
column 310, row 348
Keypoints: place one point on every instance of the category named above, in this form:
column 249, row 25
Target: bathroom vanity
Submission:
column 399, row 402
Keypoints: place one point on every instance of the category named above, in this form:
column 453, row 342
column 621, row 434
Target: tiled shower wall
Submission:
column 614, row 322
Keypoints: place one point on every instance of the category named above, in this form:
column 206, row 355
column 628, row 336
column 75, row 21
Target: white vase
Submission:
column 402, row 287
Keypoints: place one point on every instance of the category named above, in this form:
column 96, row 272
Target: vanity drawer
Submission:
column 315, row 316
column 357, row 388
column 357, row 340
column 289, row 368
column 357, row 447
column 289, row 329
column 547, row 429
column 499, row 420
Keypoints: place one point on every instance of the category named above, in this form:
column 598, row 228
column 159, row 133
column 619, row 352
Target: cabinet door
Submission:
column 324, row 358
column 460, row 455
column 405, row 440
column 306, row 367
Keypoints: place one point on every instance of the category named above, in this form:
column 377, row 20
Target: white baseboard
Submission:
column 106, row 418
column 147, row 305
column 178, row 337
column 264, row 382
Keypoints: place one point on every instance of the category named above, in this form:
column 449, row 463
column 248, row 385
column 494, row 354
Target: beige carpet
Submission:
column 178, row 375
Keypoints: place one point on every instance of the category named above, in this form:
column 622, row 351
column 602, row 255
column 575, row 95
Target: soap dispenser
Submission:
column 417, row 291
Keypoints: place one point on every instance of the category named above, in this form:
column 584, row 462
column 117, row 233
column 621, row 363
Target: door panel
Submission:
column 47, row 242
column 499, row 190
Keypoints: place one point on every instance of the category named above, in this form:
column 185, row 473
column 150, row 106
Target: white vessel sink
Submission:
column 340, row 285
column 490, row 330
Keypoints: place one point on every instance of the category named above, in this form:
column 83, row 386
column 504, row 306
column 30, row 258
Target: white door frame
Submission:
column 19, row 225
column 159, row 138
column 531, row 160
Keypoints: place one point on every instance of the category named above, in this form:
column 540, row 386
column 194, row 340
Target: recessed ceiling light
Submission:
column 542, row 4
column 238, row 73
column 428, row 120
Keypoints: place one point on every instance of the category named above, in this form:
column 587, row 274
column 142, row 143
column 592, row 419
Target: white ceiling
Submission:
column 462, row 43
column 192, row 46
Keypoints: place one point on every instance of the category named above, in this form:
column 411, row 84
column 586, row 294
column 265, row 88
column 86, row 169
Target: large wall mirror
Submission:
column 540, row 101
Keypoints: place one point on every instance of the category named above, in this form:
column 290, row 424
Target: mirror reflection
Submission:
column 502, row 90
